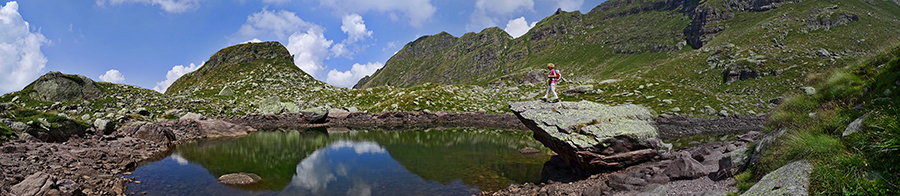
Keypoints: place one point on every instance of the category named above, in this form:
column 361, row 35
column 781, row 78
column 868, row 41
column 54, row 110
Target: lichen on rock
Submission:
column 591, row 136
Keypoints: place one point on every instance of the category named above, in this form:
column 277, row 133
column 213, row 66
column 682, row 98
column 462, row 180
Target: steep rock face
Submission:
column 707, row 19
column 589, row 136
column 55, row 86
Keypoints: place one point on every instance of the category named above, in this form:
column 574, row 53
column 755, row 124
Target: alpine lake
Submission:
column 455, row 161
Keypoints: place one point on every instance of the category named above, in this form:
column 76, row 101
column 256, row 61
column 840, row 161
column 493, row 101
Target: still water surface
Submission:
column 415, row 162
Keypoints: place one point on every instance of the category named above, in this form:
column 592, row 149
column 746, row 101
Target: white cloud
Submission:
column 20, row 50
column 340, row 50
column 305, row 40
column 355, row 28
column 179, row 159
column 310, row 50
column 518, row 27
column 390, row 45
column 488, row 12
column 569, row 5
column 314, row 172
column 416, row 11
column 281, row 23
column 362, row 147
column 113, row 76
column 349, row 78
column 254, row 40
column 171, row 6
column 173, row 74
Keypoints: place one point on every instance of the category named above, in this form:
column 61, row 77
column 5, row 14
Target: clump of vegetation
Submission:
column 862, row 163
column 6, row 133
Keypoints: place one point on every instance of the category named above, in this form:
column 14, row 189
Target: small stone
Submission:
column 675, row 109
column 723, row 113
column 809, row 90
column 668, row 101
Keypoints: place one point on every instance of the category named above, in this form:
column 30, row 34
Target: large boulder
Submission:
column 315, row 115
column 271, row 105
column 589, row 136
column 791, row 179
column 685, row 167
column 55, row 86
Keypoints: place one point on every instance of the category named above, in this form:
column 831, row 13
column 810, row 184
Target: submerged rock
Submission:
column 590, row 136
column 239, row 179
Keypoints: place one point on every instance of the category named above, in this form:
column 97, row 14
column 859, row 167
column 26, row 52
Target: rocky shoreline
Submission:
column 98, row 164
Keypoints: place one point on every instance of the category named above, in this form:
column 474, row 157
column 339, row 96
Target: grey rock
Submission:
column 226, row 92
column 39, row 183
column 791, row 179
column 239, row 179
column 595, row 136
column 54, row 86
column 684, row 167
column 104, row 126
column 19, row 127
column 191, row 116
column 158, row 134
column 675, row 109
column 723, row 113
column 85, row 117
column 315, row 115
column 887, row 92
column 270, row 105
column 352, row 109
column 856, row 125
column 291, row 108
column 809, row 90
column 709, row 110
column 44, row 122
column 823, row 53
column 668, row 101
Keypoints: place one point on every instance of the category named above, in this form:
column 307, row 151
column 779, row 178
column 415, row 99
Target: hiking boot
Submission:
column 543, row 99
column 554, row 101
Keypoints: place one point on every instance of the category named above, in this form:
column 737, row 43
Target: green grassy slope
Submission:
column 862, row 163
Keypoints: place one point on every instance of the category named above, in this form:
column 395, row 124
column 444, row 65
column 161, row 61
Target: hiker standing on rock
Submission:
column 554, row 75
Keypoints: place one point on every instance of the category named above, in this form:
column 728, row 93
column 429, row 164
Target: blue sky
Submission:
column 150, row 43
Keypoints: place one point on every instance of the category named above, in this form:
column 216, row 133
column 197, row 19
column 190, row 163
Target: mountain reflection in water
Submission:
column 445, row 162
